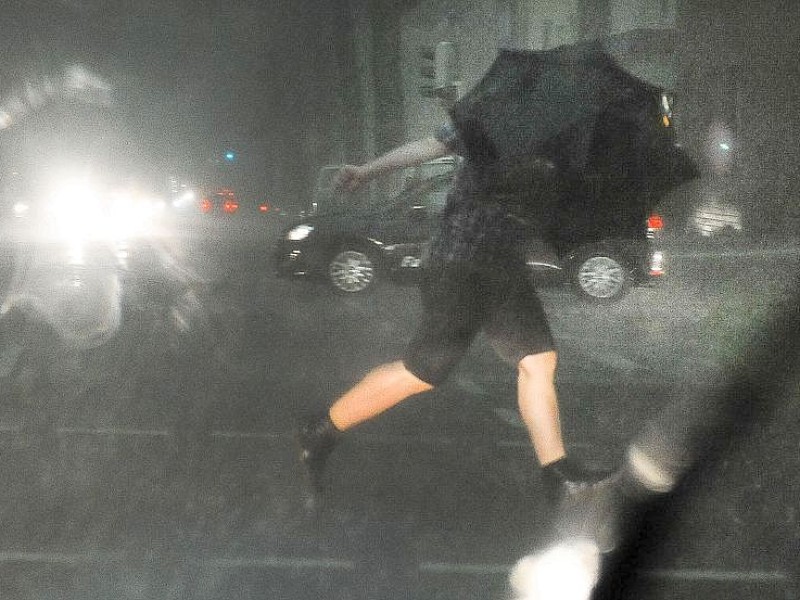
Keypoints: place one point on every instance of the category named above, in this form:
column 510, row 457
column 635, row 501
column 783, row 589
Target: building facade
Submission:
column 479, row 28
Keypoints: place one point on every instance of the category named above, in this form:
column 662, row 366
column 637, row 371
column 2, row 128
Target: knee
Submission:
column 538, row 366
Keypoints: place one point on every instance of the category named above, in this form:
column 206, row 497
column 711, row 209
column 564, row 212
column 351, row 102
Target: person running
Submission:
column 476, row 279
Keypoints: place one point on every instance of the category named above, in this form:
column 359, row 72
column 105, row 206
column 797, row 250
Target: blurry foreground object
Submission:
column 596, row 537
column 80, row 205
column 76, row 83
column 567, row 571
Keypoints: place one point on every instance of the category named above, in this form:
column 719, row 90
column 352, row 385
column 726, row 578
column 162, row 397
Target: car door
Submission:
column 406, row 227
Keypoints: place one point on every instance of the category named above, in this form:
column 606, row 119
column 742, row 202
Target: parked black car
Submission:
column 353, row 250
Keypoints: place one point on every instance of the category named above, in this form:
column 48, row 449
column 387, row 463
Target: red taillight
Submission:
column 230, row 206
column 263, row 207
column 206, row 205
column 655, row 223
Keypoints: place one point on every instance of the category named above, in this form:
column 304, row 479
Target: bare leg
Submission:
column 538, row 405
column 382, row 388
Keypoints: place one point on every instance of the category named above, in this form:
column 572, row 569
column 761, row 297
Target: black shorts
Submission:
column 461, row 299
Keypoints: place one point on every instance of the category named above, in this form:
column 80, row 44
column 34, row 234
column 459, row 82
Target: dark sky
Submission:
column 193, row 77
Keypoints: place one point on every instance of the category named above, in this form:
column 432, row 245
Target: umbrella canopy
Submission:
column 573, row 116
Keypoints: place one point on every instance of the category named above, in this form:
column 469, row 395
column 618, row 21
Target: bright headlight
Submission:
column 80, row 210
column 300, row 232
column 75, row 208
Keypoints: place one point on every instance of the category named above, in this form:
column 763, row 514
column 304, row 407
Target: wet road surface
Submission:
column 162, row 464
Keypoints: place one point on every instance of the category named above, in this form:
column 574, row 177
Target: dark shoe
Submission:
column 317, row 438
column 566, row 478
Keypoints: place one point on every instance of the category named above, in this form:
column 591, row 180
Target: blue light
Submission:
column 230, row 156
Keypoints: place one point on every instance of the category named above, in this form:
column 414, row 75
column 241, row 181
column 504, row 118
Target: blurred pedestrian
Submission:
column 476, row 279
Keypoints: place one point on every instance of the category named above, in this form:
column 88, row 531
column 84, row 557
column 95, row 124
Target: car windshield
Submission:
column 180, row 340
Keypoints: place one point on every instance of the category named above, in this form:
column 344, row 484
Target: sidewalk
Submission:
column 680, row 246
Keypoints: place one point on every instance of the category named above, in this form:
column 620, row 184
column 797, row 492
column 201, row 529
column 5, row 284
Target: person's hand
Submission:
column 350, row 178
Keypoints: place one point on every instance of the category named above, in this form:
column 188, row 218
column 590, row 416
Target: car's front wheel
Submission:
column 352, row 270
column 601, row 277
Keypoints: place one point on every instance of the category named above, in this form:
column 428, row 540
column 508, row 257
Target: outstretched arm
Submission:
column 412, row 154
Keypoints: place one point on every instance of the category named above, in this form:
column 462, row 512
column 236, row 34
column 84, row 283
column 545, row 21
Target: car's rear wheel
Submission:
column 352, row 270
column 601, row 277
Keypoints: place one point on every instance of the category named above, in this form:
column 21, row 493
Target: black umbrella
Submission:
column 573, row 115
